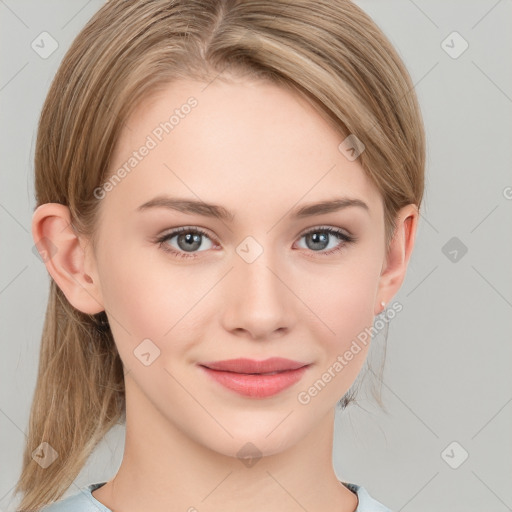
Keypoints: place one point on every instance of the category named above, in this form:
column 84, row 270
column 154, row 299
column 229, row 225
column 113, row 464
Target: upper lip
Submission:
column 243, row 365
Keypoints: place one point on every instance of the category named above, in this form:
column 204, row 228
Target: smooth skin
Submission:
column 259, row 151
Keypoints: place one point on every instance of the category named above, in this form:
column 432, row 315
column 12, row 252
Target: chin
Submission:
column 253, row 441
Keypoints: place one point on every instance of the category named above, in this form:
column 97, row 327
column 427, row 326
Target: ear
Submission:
column 400, row 249
column 66, row 257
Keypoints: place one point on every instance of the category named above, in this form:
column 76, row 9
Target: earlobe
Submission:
column 399, row 253
column 64, row 257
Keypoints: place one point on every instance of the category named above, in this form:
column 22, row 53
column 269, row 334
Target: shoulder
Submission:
column 81, row 501
column 366, row 502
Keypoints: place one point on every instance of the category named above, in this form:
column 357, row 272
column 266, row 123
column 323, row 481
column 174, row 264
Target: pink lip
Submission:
column 246, row 376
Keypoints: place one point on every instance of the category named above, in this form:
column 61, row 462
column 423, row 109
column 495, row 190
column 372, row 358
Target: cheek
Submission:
column 150, row 298
column 136, row 294
column 344, row 300
column 341, row 333
column 344, row 304
column 353, row 310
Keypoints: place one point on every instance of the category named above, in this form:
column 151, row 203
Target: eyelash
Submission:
column 347, row 239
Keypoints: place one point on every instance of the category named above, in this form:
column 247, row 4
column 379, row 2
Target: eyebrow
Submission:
column 219, row 212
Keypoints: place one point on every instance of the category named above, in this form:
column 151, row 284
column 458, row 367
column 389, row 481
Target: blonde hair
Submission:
column 328, row 51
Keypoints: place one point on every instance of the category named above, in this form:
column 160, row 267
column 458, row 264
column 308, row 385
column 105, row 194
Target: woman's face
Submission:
column 251, row 284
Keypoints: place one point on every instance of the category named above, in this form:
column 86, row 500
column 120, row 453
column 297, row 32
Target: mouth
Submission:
column 256, row 379
column 252, row 366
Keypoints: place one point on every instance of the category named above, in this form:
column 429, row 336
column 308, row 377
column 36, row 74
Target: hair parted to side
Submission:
column 329, row 51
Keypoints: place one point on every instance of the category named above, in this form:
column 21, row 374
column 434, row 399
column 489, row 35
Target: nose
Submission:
column 259, row 300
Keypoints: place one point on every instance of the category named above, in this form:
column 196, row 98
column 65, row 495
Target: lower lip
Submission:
column 256, row 386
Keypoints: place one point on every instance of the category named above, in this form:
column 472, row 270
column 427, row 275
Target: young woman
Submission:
column 227, row 195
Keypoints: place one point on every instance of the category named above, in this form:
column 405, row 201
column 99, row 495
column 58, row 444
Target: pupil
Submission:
column 192, row 238
column 319, row 239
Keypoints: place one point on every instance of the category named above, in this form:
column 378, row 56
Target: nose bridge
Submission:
column 257, row 300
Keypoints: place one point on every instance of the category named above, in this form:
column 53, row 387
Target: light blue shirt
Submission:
column 84, row 501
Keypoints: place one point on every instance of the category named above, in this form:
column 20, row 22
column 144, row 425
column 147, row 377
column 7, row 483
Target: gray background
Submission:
column 447, row 375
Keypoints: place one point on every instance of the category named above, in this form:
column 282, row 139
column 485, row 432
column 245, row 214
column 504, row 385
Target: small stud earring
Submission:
column 383, row 304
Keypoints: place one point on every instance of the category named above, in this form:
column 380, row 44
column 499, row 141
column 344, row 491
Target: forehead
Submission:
column 244, row 144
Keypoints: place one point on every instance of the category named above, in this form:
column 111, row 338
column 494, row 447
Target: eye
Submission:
column 320, row 238
column 187, row 239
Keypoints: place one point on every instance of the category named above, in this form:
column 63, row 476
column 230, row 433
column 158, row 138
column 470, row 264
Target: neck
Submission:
column 163, row 469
